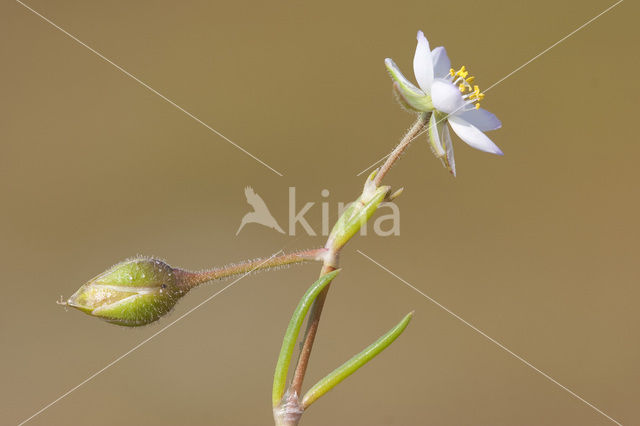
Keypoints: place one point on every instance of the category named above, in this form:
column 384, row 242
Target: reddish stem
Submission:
column 189, row 279
column 413, row 132
column 310, row 335
column 331, row 262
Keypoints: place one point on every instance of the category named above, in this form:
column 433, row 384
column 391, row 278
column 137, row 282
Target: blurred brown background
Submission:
column 539, row 249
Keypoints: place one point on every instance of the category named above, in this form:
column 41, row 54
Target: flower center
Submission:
column 461, row 78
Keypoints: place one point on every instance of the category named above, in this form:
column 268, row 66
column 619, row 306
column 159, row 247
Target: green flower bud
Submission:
column 357, row 214
column 132, row 293
column 141, row 290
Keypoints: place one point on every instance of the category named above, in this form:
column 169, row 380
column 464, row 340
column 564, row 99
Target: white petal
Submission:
column 446, row 97
column 448, row 146
column 481, row 118
column 422, row 63
column 441, row 62
column 472, row 135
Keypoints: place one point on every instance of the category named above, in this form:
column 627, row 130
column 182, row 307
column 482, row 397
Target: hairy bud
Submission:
column 132, row 293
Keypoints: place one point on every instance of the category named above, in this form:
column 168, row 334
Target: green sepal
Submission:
column 436, row 126
column 410, row 96
column 440, row 140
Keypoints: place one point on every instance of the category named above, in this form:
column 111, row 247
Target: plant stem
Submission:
column 291, row 336
column 310, row 334
column 421, row 122
column 191, row 279
column 291, row 404
column 316, row 309
column 289, row 412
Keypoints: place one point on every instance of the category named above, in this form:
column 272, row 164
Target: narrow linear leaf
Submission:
column 291, row 335
column 351, row 366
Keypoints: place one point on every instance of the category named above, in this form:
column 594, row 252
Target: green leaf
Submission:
column 291, row 335
column 351, row 366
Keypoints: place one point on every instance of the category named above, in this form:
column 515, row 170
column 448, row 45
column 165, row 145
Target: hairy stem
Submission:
column 331, row 262
column 418, row 126
column 290, row 409
column 192, row 279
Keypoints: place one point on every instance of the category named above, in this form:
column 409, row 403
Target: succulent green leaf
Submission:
column 291, row 335
column 351, row 366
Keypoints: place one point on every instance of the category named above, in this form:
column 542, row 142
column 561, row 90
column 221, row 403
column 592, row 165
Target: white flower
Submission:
column 450, row 97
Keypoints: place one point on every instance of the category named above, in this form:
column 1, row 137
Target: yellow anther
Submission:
column 462, row 73
column 462, row 77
